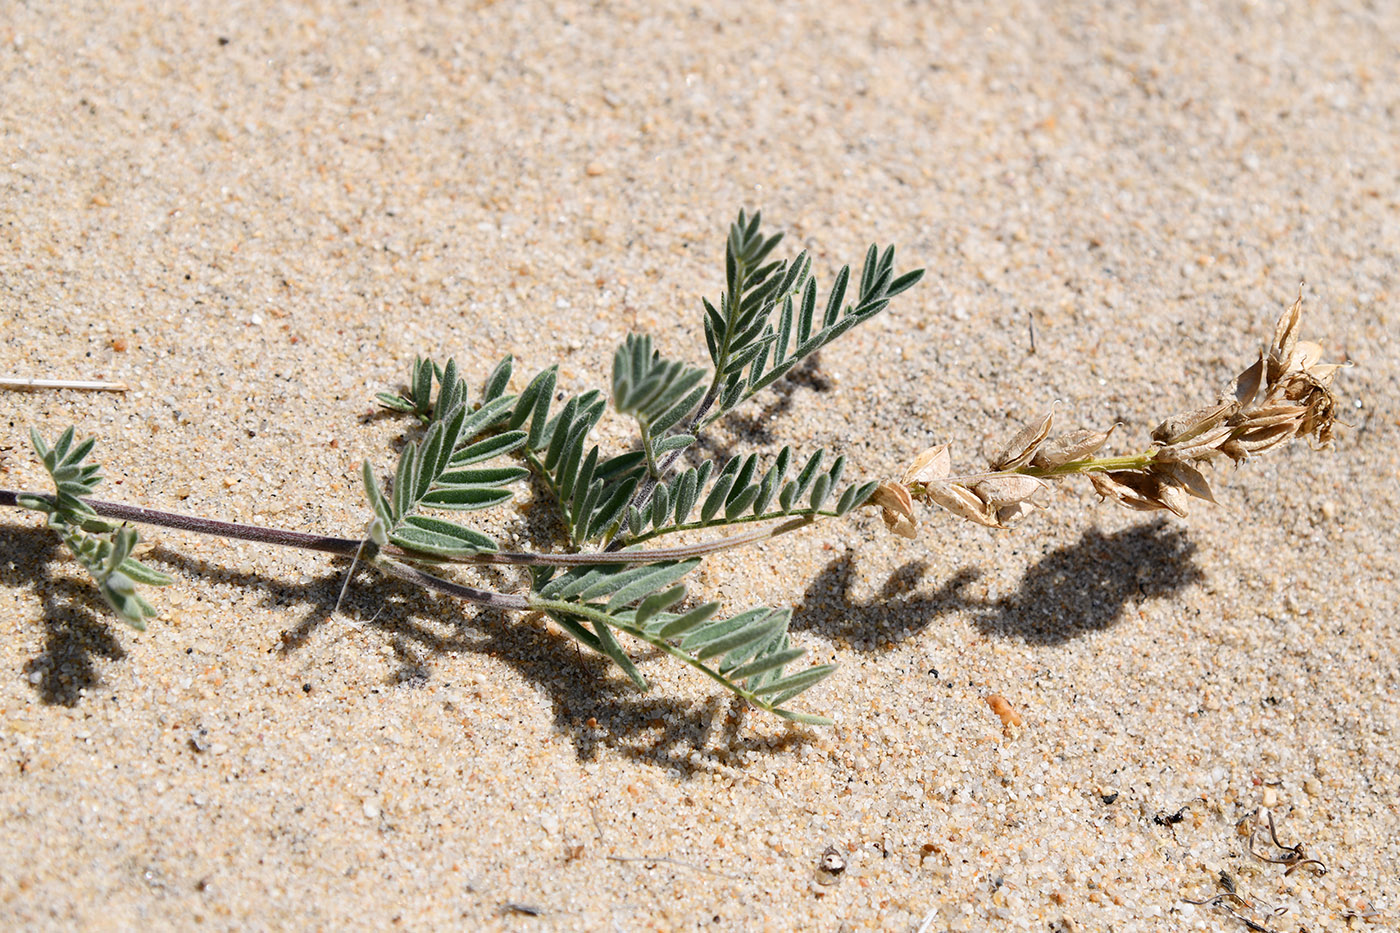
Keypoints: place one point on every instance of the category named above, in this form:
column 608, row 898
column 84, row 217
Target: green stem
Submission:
column 806, row 518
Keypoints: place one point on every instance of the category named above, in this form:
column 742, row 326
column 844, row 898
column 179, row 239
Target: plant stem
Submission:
column 470, row 593
column 348, row 547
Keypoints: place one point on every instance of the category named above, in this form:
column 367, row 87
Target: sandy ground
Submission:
column 258, row 214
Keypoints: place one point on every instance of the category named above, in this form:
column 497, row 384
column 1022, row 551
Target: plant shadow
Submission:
column 756, row 429
column 1074, row 590
column 1085, row 587
column 73, row 616
column 593, row 704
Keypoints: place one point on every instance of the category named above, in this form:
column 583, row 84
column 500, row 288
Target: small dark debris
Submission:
column 1170, row 819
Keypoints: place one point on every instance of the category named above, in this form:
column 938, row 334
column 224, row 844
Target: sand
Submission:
column 257, row 215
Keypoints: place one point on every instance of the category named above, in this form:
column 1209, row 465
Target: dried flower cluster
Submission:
column 1284, row 395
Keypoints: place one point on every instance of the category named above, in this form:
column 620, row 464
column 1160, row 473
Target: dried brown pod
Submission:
column 1022, row 447
column 1285, row 340
column 1132, row 490
column 1246, row 385
column 1069, row 446
column 963, row 502
column 1009, row 515
column 896, row 508
column 1171, row 494
column 930, row 466
column 1186, row 477
column 1191, row 424
column 998, row 491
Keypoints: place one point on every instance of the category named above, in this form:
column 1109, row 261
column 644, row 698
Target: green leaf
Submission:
column 643, row 580
column 440, row 538
column 141, row 573
column 488, row 448
column 658, row 602
column 854, row 496
column 753, row 634
column 612, row 649
column 468, row 498
column 738, row 504
column 764, row 663
column 686, row 492
column 498, row 380
column 790, row 686
column 678, row 626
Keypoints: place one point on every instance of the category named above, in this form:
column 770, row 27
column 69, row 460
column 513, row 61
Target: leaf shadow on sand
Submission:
column 74, row 619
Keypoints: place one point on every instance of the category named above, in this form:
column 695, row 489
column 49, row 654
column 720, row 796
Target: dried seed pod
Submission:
column 1306, row 355
column 998, row 491
column 1011, row 514
column 1018, row 453
column 1069, row 446
column 930, row 466
column 1234, row 451
column 1324, row 372
column 896, row 508
column 1123, row 487
column 1186, row 476
column 1246, row 385
column 1264, row 439
column 1197, row 453
column 1191, row 424
column 1279, row 413
column 963, row 503
column 1172, row 496
column 1285, row 340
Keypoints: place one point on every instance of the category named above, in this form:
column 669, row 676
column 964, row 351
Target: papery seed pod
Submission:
column 1022, row 447
column 1233, row 449
column 1172, row 496
column 1191, row 424
column 1265, row 439
column 1122, row 487
column 1194, row 453
column 1246, row 385
column 1306, row 354
column 896, row 508
column 1069, row 446
column 1323, row 373
column 1278, row 413
column 963, row 503
column 1011, row 514
column 998, row 491
column 1201, row 447
column 1186, row 476
column 1285, row 340
column 930, row 466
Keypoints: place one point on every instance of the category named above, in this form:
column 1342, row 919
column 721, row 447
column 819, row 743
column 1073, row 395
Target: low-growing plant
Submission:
column 609, row 575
